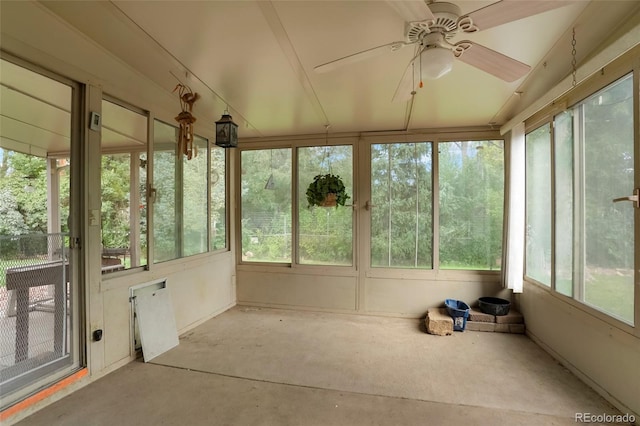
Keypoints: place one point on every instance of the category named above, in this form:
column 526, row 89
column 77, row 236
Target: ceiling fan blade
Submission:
column 492, row 62
column 510, row 10
column 359, row 56
column 412, row 11
column 406, row 86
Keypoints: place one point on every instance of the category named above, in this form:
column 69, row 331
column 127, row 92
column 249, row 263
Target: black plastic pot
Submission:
column 494, row 306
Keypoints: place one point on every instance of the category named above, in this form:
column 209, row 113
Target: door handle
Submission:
column 368, row 205
column 151, row 194
column 635, row 198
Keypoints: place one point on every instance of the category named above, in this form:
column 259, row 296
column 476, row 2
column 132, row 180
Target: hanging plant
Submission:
column 327, row 191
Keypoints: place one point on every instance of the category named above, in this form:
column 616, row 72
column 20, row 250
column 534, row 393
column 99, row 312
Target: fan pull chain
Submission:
column 420, row 59
column 573, row 60
column 413, row 78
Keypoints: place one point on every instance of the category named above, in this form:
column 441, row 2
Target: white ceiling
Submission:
column 257, row 58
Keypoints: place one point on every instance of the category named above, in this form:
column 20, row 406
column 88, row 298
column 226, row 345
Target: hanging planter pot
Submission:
column 327, row 191
column 329, row 201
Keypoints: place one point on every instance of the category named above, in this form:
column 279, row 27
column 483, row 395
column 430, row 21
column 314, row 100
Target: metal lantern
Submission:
column 226, row 132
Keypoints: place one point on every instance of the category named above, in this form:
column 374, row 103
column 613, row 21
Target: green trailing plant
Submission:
column 323, row 185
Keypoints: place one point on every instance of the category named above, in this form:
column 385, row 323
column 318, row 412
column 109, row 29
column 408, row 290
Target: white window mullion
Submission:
column 435, row 199
column 552, row 170
column 579, row 208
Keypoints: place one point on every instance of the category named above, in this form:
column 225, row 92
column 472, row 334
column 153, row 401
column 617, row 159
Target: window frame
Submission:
column 146, row 149
column 437, row 182
column 361, row 192
column 435, row 138
column 227, row 203
column 238, row 233
column 296, row 207
column 551, row 177
column 293, row 144
column 76, row 358
column 179, row 189
column 624, row 65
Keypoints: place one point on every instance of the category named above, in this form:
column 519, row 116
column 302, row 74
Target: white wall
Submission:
column 395, row 293
column 201, row 287
column 295, row 290
column 601, row 354
column 412, row 297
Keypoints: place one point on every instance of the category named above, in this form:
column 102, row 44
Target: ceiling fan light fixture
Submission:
column 435, row 62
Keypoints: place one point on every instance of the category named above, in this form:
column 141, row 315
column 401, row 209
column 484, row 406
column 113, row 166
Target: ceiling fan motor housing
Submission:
column 445, row 22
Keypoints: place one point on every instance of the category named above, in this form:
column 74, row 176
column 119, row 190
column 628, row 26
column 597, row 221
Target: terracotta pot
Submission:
column 329, row 200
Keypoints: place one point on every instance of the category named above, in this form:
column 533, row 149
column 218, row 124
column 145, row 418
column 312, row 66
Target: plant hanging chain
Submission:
column 186, row 120
column 326, row 190
column 326, row 156
column 573, row 58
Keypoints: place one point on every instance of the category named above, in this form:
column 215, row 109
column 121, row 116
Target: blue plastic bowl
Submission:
column 457, row 308
column 459, row 312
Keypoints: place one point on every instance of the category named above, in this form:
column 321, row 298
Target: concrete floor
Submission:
column 252, row 366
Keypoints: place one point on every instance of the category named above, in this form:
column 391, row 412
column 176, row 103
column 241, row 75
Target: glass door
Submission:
column 38, row 303
column 607, row 199
column 596, row 200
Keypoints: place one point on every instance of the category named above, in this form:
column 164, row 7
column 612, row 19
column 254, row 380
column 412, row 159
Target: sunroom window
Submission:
column 123, row 179
column 593, row 238
column 604, row 171
column 325, row 235
column 538, row 205
column 402, row 193
column 266, row 205
column 471, row 182
column 189, row 196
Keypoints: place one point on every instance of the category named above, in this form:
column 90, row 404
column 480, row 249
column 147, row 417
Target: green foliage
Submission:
column 471, row 199
column 164, row 208
column 180, row 209
column 471, row 203
column 194, row 199
column 609, row 170
column 323, row 185
column 401, row 191
column 591, row 168
column 115, row 200
column 266, row 205
column 23, row 194
column 611, row 292
column 325, row 236
column 11, row 221
column 218, row 199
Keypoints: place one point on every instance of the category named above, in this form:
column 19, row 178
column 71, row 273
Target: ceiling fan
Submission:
column 430, row 29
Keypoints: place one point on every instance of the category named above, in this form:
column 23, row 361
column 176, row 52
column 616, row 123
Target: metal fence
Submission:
column 34, row 297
